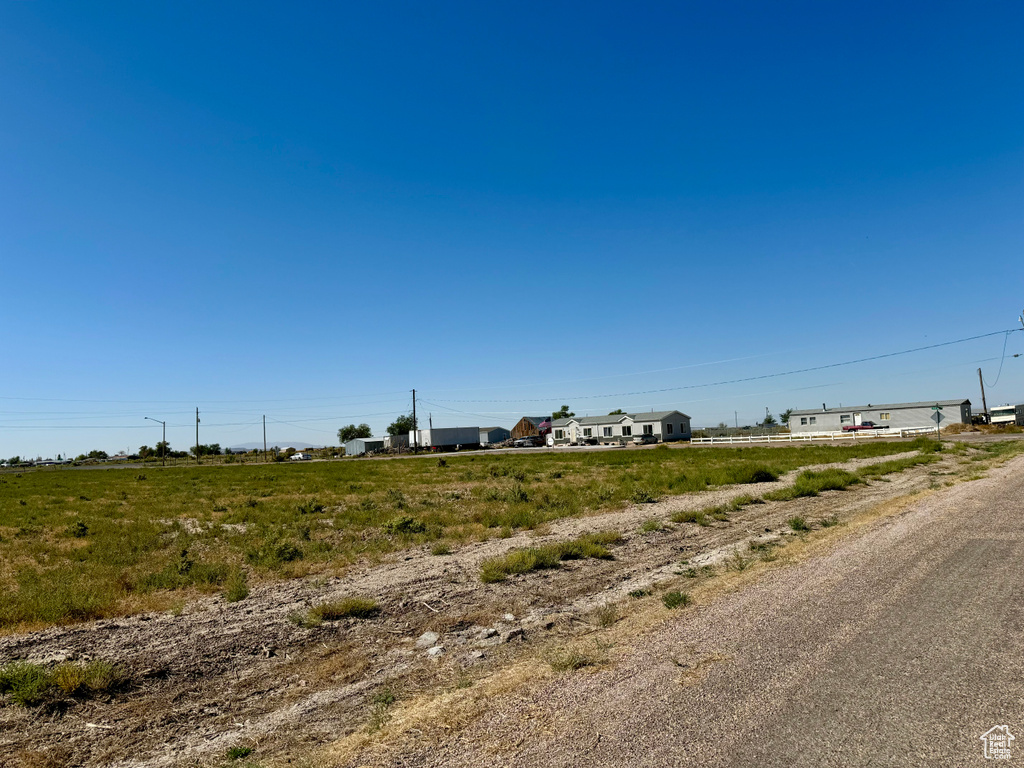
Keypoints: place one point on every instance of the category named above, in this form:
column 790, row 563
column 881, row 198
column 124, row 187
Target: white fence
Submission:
column 864, row 434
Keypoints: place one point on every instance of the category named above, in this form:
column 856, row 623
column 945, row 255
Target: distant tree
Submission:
column 14, row 460
column 769, row 420
column 351, row 432
column 145, row 452
column 403, row 425
column 616, row 412
column 563, row 413
column 722, row 425
column 97, row 455
column 163, row 449
column 206, row 450
column 784, row 416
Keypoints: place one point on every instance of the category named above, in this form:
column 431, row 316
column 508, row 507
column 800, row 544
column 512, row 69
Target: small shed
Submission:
column 531, row 425
column 361, row 445
column 490, row 435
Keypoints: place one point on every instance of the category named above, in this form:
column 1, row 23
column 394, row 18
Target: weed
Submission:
column 638, row 593
column 798, row 523
column 651, row 526
column 570, row 659
column 350, row 607
column 605, row 615
column 237, row 587
column 675, row 599
column 404, row 524
column 78, row 530
column 828, row 522
column 643, row 496
column 811, row 483
column 310, row 507
column 237, row 753
column 442, row 463
column 440, row 549
column 30, row 685
column 380, row 712
column 692, row 516
column 737, row 562
column 548, row 556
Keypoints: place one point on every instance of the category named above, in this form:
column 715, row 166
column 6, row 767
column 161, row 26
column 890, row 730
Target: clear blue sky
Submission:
column 307, row 210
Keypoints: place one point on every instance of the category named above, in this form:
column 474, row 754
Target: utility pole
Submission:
column 984, row 405
column 197, row 435
column 264, row 438
column 430, row 420
column 415, row 431
column 736, row 416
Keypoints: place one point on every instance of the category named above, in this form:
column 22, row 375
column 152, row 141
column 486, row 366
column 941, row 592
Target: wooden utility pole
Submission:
column 264, row 438
column 984, row 405
column 197, row 435
column 415, row 432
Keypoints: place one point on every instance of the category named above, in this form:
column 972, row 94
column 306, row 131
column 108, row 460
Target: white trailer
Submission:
column 446, row 438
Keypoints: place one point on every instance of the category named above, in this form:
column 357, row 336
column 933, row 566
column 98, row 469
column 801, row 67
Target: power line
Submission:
column 743, row 380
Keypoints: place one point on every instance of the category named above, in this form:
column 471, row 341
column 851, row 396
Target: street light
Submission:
column 163, row 444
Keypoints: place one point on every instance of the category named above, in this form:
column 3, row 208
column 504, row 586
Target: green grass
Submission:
column 548, row 556
column 31, row 685
column 78, row 545
column 811, row 483
column 675, row 599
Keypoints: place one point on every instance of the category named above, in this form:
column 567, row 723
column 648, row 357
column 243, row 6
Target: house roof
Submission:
column 615, row 418
column 491, row 429
column 536, row 420
column 882, row 406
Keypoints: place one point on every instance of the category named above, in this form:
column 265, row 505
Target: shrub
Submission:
column 30, row 685
column 440, row 549
column 237, row 753
column 798, row 523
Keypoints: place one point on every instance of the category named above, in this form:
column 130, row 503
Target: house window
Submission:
column 587, row 432
column 668, row 429
column 883, row 417
column 607, row 431
column 844, row 419
column 803, row 421
column 627, row 431
column 559, row 434
column 648, row 429
column 814, row 420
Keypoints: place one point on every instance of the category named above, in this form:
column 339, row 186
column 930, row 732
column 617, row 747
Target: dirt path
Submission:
column 221, row 674
column 900, row 645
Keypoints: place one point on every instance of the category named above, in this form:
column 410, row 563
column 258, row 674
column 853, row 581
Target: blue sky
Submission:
column 307, row 212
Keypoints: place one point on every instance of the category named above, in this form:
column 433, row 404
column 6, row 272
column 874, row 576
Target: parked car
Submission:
column 859, row 427
column 587, row 441
column 644, row 439
column 530, row 441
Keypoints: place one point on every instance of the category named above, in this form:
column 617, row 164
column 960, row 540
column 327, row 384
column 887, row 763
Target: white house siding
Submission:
column 623, row 427
column 900, row 416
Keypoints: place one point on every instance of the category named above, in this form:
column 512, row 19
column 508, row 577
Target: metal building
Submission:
column 361, row 445
column 489, row 435
column 446, row 438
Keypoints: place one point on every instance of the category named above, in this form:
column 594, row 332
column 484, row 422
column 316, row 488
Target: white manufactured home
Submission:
column 892, row 416
column 618, row 428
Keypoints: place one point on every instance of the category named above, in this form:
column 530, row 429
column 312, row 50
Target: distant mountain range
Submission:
column 259, row 446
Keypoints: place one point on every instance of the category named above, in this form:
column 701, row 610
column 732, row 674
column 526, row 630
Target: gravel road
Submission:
column 899, row 645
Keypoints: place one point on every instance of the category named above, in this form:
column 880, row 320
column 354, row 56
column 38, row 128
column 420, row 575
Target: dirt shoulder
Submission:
column 219, row 675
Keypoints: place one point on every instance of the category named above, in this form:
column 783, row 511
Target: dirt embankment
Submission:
column 219, row 675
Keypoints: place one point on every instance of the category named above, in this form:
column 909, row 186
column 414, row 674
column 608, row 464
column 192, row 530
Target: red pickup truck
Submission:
column 859, row 427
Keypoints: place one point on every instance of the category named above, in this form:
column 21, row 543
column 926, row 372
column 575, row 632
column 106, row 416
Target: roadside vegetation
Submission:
column 77, row 545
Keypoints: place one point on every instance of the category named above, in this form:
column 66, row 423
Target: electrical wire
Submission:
column 762, row 377
column 1002, row 360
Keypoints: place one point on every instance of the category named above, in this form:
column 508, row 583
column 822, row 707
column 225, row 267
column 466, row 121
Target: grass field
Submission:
column 83, row 544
